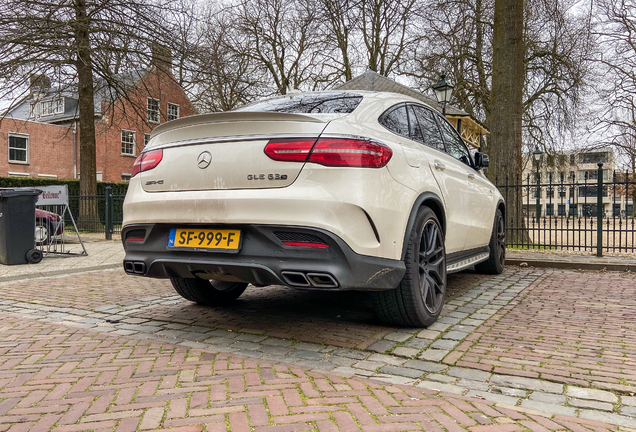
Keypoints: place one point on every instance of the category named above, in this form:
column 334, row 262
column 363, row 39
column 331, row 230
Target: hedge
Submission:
column 73, row 185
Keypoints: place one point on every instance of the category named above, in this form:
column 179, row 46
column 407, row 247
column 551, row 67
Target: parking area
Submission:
column 531, row 349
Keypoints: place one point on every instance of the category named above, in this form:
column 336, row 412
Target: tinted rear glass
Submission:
column 309, row 103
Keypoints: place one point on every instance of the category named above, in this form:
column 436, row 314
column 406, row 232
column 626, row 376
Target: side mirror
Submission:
column 481, row 160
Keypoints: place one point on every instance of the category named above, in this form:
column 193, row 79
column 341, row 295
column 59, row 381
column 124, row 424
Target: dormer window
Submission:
column 51, row 107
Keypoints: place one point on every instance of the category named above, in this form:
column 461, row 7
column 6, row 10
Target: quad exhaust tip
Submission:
column 316, row 280
column 135, row 267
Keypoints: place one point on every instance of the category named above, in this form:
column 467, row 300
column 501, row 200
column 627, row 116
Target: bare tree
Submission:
column 458, row 38
column 282, row 39
column 616, row 33
column 385, row 27
column 76, row 42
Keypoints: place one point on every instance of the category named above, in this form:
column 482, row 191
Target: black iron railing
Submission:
column 98, row 213
column 592, row 213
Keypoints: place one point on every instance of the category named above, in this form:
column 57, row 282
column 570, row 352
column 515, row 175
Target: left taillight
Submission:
column 147, row 161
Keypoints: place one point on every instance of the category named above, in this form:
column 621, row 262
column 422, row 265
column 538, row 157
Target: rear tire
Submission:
column 497, row 260
column 208, row 293
column 419, row 298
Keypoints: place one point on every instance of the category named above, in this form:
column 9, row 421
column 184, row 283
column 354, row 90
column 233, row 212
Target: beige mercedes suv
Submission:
column 326, row 191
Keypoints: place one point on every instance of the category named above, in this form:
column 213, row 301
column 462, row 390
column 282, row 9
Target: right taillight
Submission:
column 147, row 161
column 333, row 152
column 349, row 152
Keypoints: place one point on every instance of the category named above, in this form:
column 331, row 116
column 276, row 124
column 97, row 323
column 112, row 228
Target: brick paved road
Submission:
column 343, row 319
column 108, row 332
column 53, row 377
column 575, row 328
column 86, row 291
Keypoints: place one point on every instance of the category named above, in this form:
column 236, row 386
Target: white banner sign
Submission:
column 52, row 195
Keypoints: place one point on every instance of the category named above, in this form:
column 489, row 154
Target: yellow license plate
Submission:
column 193, row 238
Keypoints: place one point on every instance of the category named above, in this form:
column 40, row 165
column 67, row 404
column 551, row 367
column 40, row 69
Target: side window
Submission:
column 415, row 131
column 396, row 120
column 454, row 144
column 430, row 131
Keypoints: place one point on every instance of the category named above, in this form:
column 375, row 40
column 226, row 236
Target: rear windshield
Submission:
column 309, row 103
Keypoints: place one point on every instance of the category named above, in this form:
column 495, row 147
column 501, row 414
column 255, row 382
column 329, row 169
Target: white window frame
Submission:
column 153, row 115
column 52, row 107
column 134, row 146
column 173, row 105
column 146, row 139
column 127, row 180
column 18, row 135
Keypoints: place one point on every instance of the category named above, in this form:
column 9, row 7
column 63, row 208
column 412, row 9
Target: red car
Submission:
column 47, row 224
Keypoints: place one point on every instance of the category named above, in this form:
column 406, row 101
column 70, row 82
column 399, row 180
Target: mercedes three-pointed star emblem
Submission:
column 204, row 159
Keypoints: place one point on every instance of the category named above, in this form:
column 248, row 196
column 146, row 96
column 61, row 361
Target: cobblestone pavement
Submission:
column 459, row 357
column 61, row 378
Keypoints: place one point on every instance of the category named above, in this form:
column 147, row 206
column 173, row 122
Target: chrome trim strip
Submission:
column 461, row 265
column 199, row 141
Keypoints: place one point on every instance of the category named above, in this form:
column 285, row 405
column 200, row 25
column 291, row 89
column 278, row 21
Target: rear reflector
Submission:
column 333, row 152
column 304, row 244
column 136, row 235
column 147, row 161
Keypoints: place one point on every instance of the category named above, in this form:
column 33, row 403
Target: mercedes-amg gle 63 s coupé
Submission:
column 335, row 190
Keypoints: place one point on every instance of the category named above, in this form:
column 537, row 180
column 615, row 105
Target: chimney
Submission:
column 39, row 83
column 162, row 57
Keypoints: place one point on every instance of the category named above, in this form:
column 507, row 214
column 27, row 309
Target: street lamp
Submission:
column 443, row 92
column 537, row 153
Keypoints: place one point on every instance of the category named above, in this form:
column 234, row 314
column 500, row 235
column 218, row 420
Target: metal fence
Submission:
column 594, row 213
column 102, row 214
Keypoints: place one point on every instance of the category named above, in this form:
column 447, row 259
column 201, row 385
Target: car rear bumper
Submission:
column 262, row 259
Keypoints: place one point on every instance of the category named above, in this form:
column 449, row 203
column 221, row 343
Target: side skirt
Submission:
column 459, row 261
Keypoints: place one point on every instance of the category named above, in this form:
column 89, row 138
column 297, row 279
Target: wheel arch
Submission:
column 432, row 201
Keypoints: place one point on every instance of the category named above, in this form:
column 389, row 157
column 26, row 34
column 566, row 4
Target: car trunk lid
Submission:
column 226, row 151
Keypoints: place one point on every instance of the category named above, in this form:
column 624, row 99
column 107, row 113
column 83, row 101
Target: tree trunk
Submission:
column 504, row 145
column 88, row 167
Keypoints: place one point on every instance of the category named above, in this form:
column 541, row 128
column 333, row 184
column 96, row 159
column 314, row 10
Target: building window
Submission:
column 146, row 139
column 549, row 209
column 125, row 178
column 561, row 209
column 562, row 192
column 593, row 158
column 19, row 148
column 173, row 111
column 573, row 210
column 52, row 107
column 153, row 110
column 128, row 142
column 549, row 192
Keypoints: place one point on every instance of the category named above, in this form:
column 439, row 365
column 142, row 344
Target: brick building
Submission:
column 40, row 136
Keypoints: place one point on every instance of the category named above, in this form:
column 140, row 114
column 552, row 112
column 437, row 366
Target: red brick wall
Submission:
column 131, row 115
column 50, row 149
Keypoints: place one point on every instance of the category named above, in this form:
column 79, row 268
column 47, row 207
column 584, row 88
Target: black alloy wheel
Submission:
column 497, row 259
column 432, row 263
column 419, row 298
